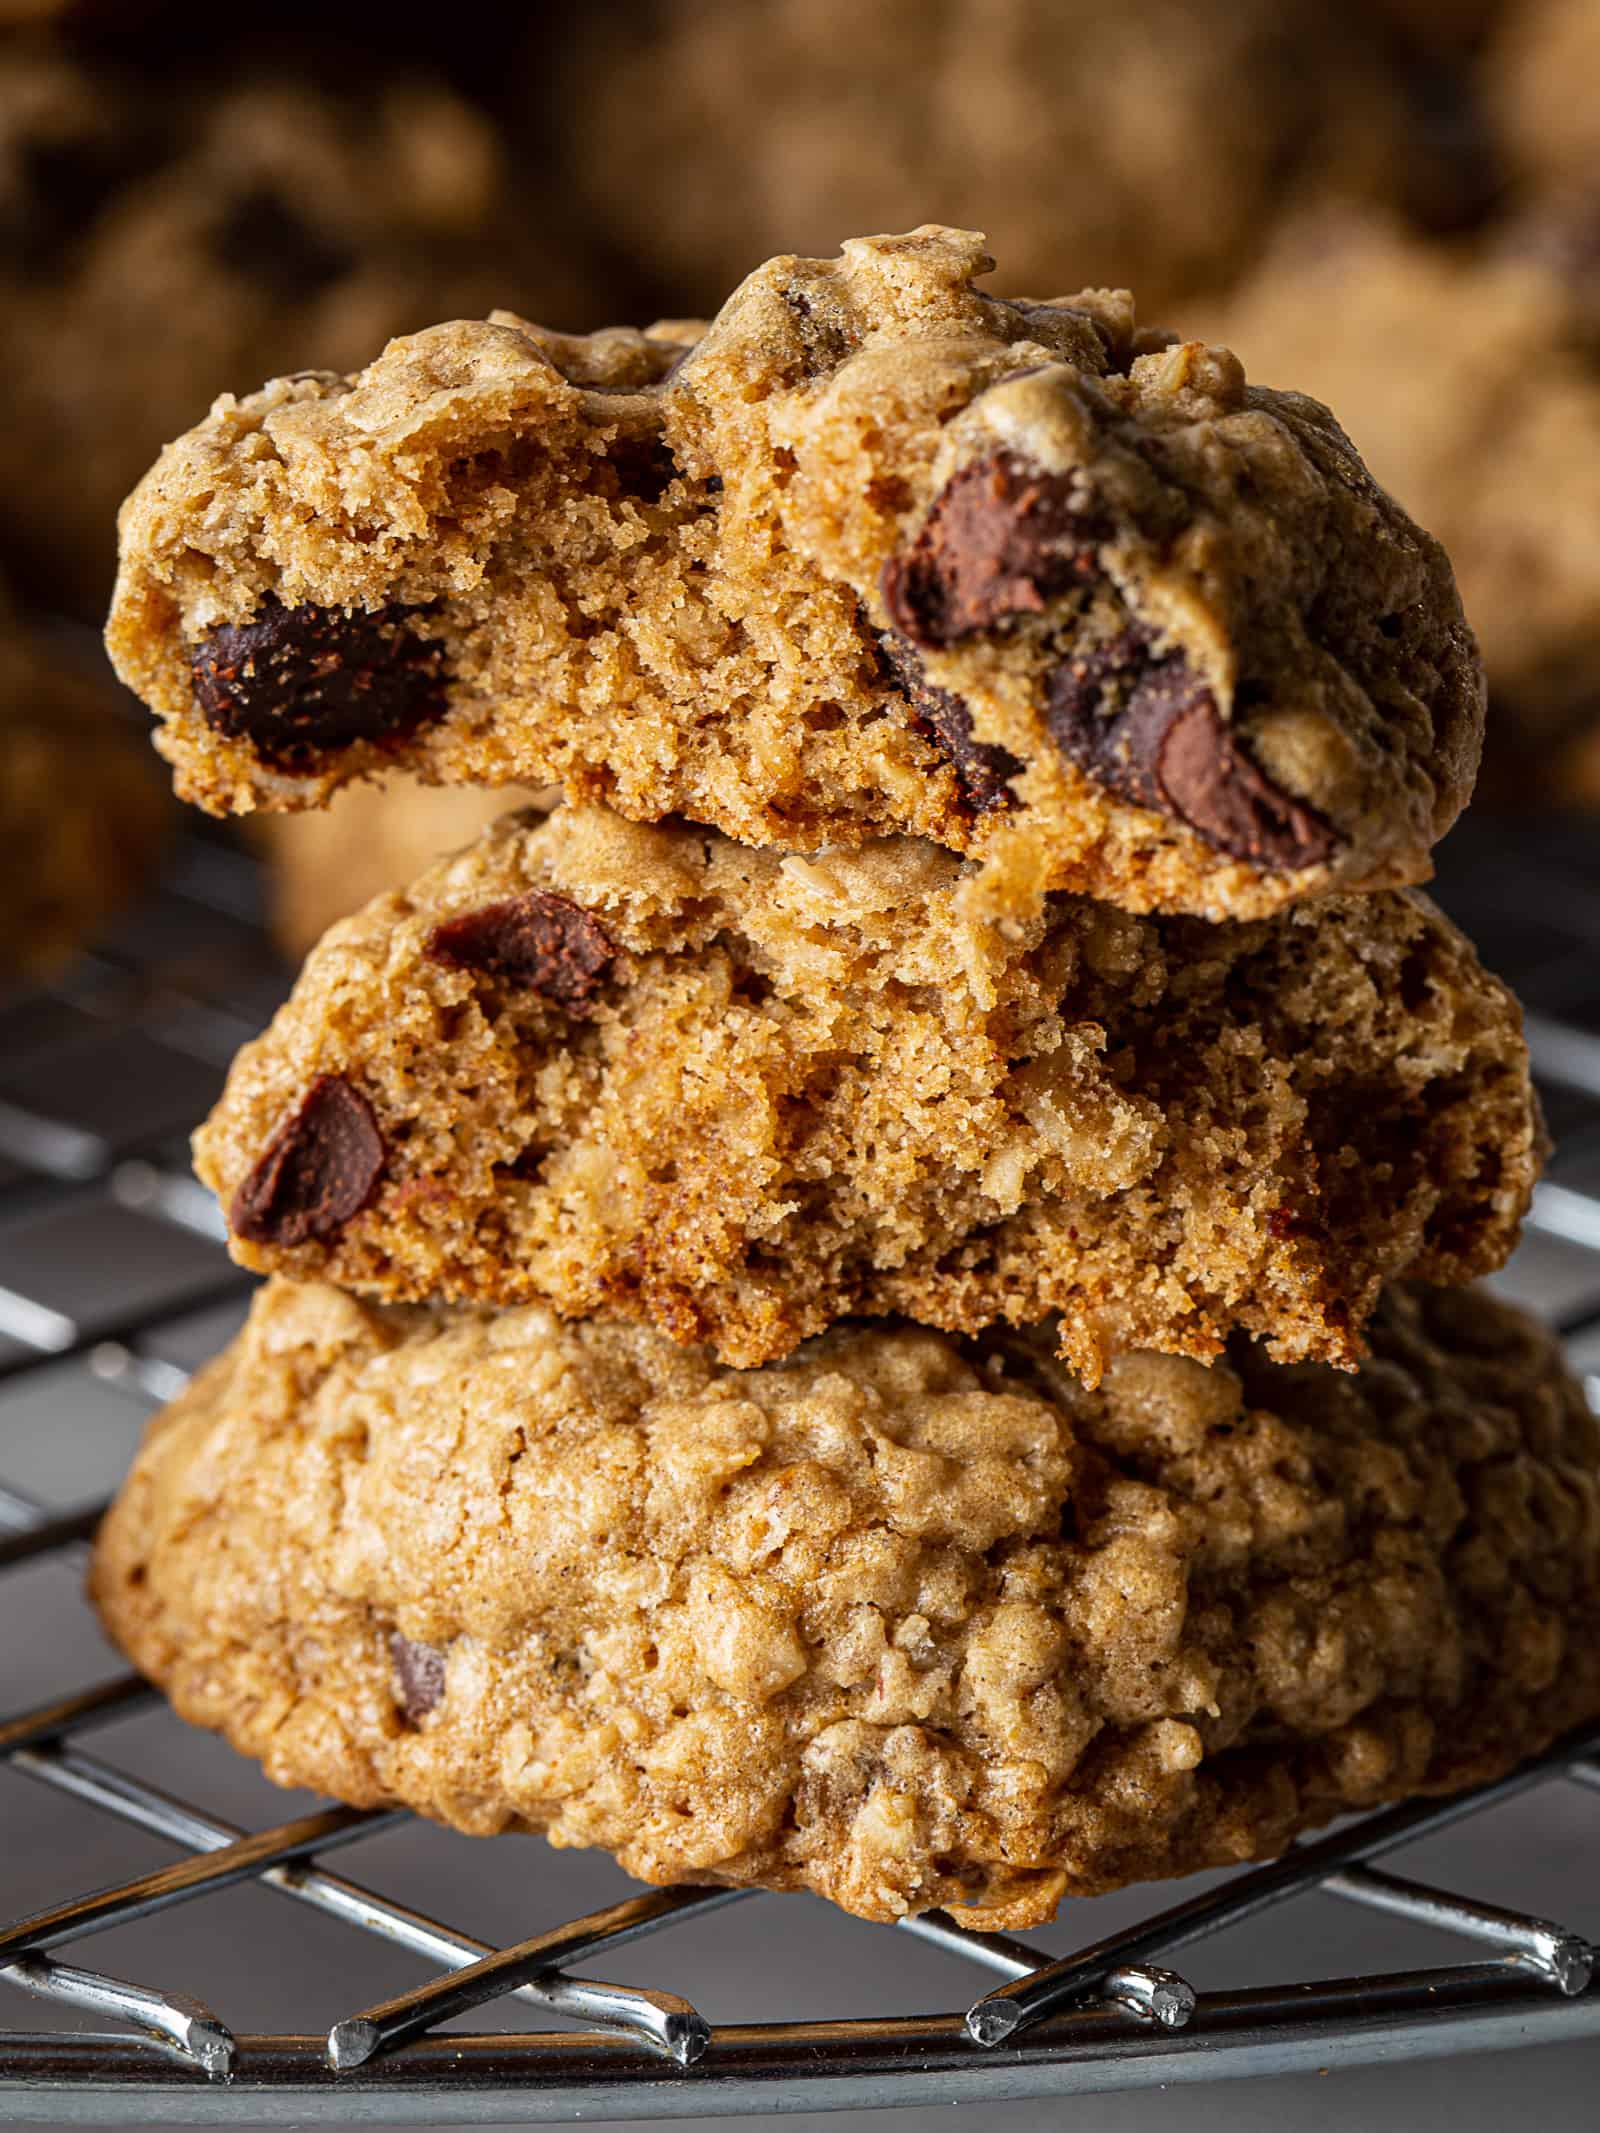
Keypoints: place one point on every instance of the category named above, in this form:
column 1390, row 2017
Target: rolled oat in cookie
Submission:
column 873, row 552
column 739, row 1095
column 904, row 1621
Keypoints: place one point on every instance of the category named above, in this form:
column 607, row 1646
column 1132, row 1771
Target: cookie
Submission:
column 1089, row 140
column 1472, row 377
column 740, row 1095
column 82, row 812
column 1537, row 70
column 1441, row 29
column 162, row 239
column 325, row 865
column 899, row 1621
column 874, row 553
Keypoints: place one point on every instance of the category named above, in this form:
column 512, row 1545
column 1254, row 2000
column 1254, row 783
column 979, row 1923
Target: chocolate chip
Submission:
column 983, row 770
column 1145, row 725
column 298, row 682
column 1003, row 538
column 418, row 1675
column 260, row 236
column 320, row 1168
column 535, row 942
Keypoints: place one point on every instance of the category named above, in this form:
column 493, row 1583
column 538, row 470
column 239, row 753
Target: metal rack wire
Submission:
column 97, row 1081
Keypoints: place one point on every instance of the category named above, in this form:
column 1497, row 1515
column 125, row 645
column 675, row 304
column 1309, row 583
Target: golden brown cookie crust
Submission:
column 878, row 553
column 900, row 1622
column 1426, row 350
column 741, row 1094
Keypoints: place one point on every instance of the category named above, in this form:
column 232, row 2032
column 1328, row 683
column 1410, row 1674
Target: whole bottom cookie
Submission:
column 899, row 1620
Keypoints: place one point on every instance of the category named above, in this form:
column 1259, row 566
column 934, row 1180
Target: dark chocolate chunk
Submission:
column 535, row 942
column 940, row 716
column 320, row 1168
column 261, row 237
column 299, row 682
column 1003, row 538
column 1145, row 725
column 418, row 1675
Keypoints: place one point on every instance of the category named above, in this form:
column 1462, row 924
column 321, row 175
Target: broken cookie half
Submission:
column 870, row 553
column 653, row 1073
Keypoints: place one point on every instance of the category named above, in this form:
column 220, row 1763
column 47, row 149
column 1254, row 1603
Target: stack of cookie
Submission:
column 876, row 1303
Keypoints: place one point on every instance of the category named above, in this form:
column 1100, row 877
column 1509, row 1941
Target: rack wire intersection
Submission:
column 1114, row 2014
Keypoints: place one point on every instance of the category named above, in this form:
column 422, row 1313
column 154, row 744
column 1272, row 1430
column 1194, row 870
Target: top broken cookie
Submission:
column 872, row 552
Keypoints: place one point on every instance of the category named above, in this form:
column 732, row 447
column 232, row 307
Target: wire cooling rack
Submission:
column 110, row 1257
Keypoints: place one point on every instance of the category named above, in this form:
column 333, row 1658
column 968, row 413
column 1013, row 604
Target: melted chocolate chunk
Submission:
column 1146, row 726
column 320, row 1169
column 299, row 682
column 1003, row 538
column 939, row 715
column 418, row 1675
column 261, row 237
column 535, row 942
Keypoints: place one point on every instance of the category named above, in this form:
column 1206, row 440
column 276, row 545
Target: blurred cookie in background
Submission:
column 83, row 805
column 1147, row 144
column 1541, row 78
column 1454, row 28
column 68, row 141
column 1468, row 376
column 369, row 838
column 166, row 239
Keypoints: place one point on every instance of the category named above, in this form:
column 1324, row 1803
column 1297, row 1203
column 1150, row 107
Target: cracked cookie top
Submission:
column 873, row 551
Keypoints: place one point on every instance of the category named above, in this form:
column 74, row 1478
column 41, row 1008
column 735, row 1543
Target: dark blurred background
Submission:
column 1394, row 205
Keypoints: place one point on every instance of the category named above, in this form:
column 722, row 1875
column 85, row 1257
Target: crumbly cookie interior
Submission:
column 739, row 1095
